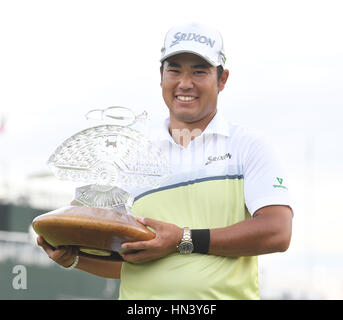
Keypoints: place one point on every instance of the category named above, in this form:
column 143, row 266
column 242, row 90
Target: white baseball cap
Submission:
column 195, row 38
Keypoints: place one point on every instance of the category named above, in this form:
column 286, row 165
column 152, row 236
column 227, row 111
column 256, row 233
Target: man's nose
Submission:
column 186, row 82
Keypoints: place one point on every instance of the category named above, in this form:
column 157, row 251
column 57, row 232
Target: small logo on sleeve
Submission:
column 280, row 181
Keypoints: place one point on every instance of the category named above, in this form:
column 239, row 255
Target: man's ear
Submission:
column 222, row 81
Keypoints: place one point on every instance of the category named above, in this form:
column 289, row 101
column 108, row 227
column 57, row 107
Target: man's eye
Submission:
column 199, row 72
column 173, row 70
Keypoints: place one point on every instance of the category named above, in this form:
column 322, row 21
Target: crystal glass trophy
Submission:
column 108, row 160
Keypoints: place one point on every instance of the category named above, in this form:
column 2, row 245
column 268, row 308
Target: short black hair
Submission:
column 220, row 70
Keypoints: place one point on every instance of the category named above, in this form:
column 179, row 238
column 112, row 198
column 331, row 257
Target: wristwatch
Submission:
column 186, row 244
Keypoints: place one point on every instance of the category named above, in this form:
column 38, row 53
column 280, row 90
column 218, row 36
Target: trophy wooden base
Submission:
column 95, row 231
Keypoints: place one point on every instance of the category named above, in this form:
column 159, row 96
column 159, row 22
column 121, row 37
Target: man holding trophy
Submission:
column 225, row 203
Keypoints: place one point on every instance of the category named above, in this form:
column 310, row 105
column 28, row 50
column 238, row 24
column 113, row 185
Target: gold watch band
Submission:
column 186, row 234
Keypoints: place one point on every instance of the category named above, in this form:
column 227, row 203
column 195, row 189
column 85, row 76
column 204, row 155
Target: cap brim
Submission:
column 214, row 64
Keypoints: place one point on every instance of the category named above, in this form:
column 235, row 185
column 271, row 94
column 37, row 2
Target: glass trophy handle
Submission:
column 120, row 116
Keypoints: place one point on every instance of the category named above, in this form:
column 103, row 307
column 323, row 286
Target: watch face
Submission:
column 186, row 247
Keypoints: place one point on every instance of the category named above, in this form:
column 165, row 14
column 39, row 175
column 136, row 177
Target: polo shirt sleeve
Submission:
column 264, row 180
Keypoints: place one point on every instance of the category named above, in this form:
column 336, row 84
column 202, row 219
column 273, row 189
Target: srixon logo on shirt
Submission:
column 210, row 159
column 180, row 36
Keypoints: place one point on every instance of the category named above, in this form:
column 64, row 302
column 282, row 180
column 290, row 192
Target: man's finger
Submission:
column 136, row 257
column 149, row 222
column 61, row 253
column 46, row 246
column 138, row 245
column 41, row 242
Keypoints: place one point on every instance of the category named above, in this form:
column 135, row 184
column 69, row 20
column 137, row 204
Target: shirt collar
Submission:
column 218, row 125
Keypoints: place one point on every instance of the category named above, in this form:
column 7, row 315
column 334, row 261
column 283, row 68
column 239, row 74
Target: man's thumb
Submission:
column 148, row 222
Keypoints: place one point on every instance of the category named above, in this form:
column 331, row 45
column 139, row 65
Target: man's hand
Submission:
column 167, row 238
column 64, row 256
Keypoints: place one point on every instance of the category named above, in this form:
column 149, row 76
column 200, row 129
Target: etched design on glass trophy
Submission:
column 109, row 158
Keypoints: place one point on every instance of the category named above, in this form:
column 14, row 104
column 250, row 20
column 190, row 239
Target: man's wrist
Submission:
column 74, row 264
column 186, row 245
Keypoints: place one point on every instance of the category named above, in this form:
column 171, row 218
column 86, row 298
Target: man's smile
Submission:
column 186, row 98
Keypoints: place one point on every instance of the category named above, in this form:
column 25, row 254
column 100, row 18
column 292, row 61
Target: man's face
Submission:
column 190, row 87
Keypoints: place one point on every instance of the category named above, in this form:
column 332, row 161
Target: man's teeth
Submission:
column 183, row 98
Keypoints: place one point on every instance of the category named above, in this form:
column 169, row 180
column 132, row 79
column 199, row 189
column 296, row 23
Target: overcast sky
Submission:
column 60, row 59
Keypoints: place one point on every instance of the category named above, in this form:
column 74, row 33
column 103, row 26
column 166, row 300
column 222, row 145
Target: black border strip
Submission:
column 186, row 183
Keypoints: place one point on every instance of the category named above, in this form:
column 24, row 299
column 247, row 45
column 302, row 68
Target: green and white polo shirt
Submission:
column 221, row 178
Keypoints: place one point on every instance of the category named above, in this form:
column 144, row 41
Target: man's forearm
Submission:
column 102, row 268
column 268, row 231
